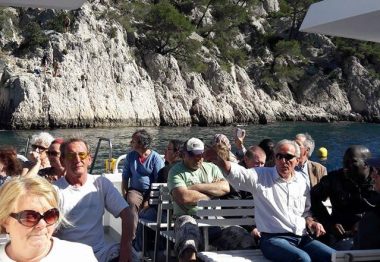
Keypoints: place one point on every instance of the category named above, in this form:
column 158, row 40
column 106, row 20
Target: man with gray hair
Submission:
column 312, row 171
column 282, row 201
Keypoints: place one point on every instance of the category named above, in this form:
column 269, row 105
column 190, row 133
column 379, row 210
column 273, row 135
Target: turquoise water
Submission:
column 336, row 137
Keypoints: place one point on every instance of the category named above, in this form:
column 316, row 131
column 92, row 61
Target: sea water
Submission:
column 336, row 137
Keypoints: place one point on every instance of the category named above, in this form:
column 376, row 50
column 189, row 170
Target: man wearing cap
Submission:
column 351, row 193
column 189, row 181
column 282, row 206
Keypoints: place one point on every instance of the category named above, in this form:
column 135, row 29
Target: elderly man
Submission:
column 282, row 203
column 350, row 190
column 254, row 157
column 190, row 181
column 312, row 171
column 83, row 199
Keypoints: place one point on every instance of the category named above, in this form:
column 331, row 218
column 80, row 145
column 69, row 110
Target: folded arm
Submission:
column 215, row 189
column 184, row 196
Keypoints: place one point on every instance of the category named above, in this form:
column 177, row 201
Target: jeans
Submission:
column 290, row 247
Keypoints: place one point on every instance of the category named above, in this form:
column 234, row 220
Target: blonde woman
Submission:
column 29, row 214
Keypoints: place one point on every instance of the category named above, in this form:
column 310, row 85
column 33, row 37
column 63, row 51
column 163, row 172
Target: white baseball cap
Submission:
column 195, row 146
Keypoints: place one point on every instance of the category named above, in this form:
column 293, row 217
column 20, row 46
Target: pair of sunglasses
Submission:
column 53, row 153
column 30, row 218
column 41, row 148
column 73, row 155
column 287, row 157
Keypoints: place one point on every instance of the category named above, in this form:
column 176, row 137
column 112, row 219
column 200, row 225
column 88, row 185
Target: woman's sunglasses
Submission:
column 30, row 218
column 41, row 148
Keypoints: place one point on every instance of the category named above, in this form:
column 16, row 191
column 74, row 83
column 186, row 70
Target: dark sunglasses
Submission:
column 41, row 148
column 53, row 153
column 30, row 218
column 287, row 157
column 73, row 155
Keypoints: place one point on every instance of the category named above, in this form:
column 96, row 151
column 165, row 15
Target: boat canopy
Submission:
column 52, row 4
column 357, row 19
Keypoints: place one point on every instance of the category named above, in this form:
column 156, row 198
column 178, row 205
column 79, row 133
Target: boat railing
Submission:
column 118, row 160
column 27, row 146
column 97, row 151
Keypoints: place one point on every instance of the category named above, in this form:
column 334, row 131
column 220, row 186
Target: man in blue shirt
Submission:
column 140, row 171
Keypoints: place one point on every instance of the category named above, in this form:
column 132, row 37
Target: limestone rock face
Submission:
column 363, row 90
column 101, row 82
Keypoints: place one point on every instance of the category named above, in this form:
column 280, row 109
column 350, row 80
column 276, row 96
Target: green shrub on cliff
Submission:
column 168, row 30
column 33, row 37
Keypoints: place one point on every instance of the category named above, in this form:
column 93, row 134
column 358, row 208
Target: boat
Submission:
column 344, row 18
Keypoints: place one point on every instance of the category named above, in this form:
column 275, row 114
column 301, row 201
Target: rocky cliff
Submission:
column 101, row 82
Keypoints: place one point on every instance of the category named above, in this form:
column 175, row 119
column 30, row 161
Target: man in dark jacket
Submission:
column 350, row 191
column 369, row 226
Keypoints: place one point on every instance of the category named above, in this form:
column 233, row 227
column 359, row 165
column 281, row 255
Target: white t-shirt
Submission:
column 84, row 207
column 61, row 251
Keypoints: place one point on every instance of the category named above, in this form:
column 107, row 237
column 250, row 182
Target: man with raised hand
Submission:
column 83, row 199
column 282, row 205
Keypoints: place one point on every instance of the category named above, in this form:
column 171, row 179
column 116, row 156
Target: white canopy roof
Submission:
column 53, row 4
column 358, row 19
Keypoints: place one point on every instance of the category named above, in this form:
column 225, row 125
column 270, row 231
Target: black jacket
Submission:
column 349, row 199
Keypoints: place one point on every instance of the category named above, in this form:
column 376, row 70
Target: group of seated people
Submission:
column 292, row 223
column 288, row 188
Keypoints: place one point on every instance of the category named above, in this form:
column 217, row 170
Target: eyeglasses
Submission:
column 53, row 153
column 287, row 157
column 72, row 155
column 40, row 148
column 30, row 218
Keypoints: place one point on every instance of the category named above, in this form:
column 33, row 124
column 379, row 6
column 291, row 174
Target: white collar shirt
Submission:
column 280, row 206
column 304, row 171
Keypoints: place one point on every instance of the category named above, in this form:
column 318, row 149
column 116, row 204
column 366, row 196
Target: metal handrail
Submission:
column 116, row 169
column 97, row 150
column 27, row 146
